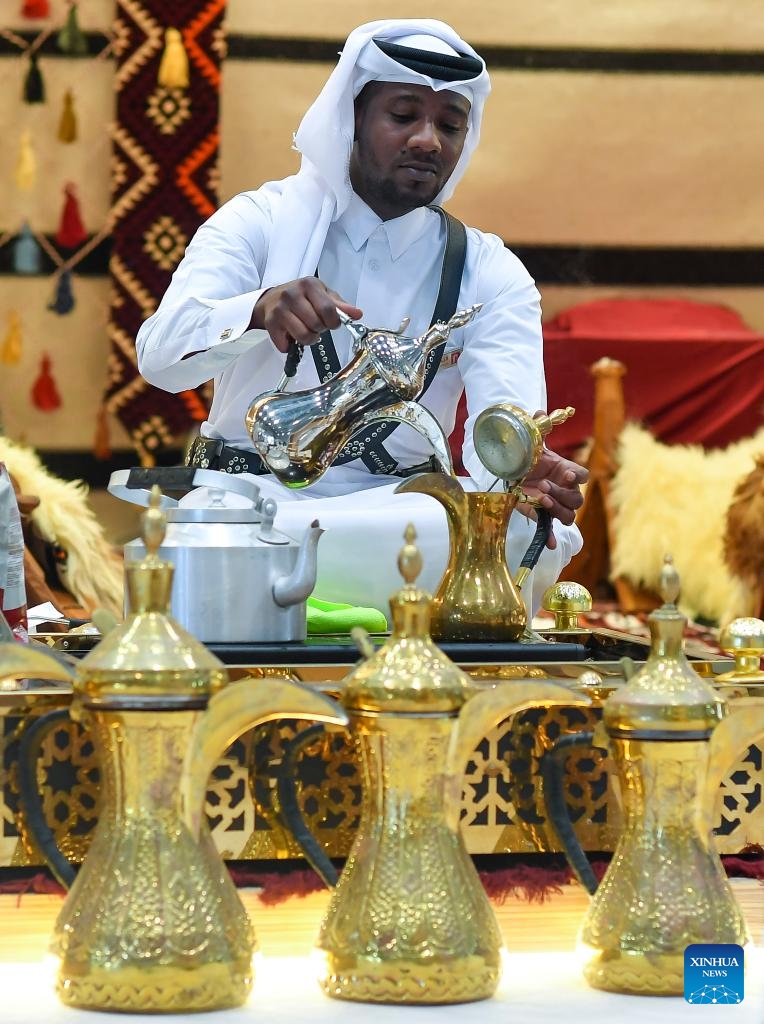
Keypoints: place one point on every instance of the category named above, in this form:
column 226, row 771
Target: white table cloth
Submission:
column 537, row 988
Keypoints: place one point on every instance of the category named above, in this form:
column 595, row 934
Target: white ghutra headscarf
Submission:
column 321, row 190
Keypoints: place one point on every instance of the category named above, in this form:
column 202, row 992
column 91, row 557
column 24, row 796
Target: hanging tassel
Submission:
column 173, row 68
column 70, row 38
column 11, row 350
column 34, row 87
column 27, row 254
column 102, row 441
column 45, row 394
column 67, row 126
column 35, row 9
column 71, row 231
column 63, row 301
column 26, row 165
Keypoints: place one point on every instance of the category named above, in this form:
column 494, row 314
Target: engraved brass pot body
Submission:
column 152, row 921
column 476, row 597
column 665, row 887
column 409, row 920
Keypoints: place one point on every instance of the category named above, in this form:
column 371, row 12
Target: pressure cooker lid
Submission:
column 218, row 506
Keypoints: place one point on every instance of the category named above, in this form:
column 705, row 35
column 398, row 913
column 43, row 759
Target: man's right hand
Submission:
column 299, row 311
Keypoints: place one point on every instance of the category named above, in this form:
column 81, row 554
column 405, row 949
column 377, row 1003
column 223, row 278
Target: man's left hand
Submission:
column 556, row 483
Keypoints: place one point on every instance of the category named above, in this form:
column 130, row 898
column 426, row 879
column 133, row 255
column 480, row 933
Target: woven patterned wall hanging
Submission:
column 164, row 185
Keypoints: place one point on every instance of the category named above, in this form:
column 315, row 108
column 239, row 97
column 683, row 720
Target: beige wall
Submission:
column 698, row 24
column 567, row 157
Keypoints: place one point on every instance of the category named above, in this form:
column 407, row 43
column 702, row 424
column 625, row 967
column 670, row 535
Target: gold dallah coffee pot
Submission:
column 477, row 598
column 409, row 920
column 152, row 922
column 673, row 739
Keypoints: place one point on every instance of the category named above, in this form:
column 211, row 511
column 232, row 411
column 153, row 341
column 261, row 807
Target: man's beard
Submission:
column 385, row 194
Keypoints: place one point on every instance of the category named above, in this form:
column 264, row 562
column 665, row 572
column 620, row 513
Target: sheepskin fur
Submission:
column 94, row 570
column 674, row 499
column 744, row 537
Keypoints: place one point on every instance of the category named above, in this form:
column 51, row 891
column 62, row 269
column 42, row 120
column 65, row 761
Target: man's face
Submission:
column 408, row 140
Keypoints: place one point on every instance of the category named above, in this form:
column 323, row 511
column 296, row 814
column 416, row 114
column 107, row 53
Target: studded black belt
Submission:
column 212, row 453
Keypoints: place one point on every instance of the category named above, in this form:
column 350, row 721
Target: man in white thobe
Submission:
column 387, row 139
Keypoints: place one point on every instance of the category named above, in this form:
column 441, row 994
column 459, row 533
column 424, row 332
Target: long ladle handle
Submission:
column 31, row 801
column 536, row 546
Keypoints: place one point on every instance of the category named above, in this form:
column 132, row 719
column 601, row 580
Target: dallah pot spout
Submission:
column 477, row 598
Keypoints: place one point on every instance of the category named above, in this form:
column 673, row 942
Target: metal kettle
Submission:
column 237, row 579
column 299, row 434
column 673, row 740
column 152, row 922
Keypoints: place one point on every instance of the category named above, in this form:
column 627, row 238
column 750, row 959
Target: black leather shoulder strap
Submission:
column 452, row 268
column 454, row 255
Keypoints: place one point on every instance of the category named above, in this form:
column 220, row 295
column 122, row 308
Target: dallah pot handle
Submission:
column 552, row 768
column 540, row 537
column 31, row 800
column 286, row 786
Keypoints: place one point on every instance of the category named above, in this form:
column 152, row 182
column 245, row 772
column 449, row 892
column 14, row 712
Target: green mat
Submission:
column 330, row 617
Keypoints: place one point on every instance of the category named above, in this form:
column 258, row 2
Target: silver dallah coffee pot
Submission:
column 237, row 579
column 299, row 434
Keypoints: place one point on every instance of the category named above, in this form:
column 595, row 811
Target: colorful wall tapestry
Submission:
column 164, row 184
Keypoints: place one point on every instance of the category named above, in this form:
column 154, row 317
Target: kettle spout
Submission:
column 289, row 590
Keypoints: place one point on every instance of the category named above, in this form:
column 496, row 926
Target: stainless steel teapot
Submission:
column 237, row 579
column 299, row 434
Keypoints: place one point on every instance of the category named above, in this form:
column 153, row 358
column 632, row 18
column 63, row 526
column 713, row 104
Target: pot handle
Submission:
column 31, row 801
column 286, row 787
column 552, row 770
column 540, row 537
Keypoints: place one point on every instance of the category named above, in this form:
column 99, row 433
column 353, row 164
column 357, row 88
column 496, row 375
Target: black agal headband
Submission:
column 442, row 66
